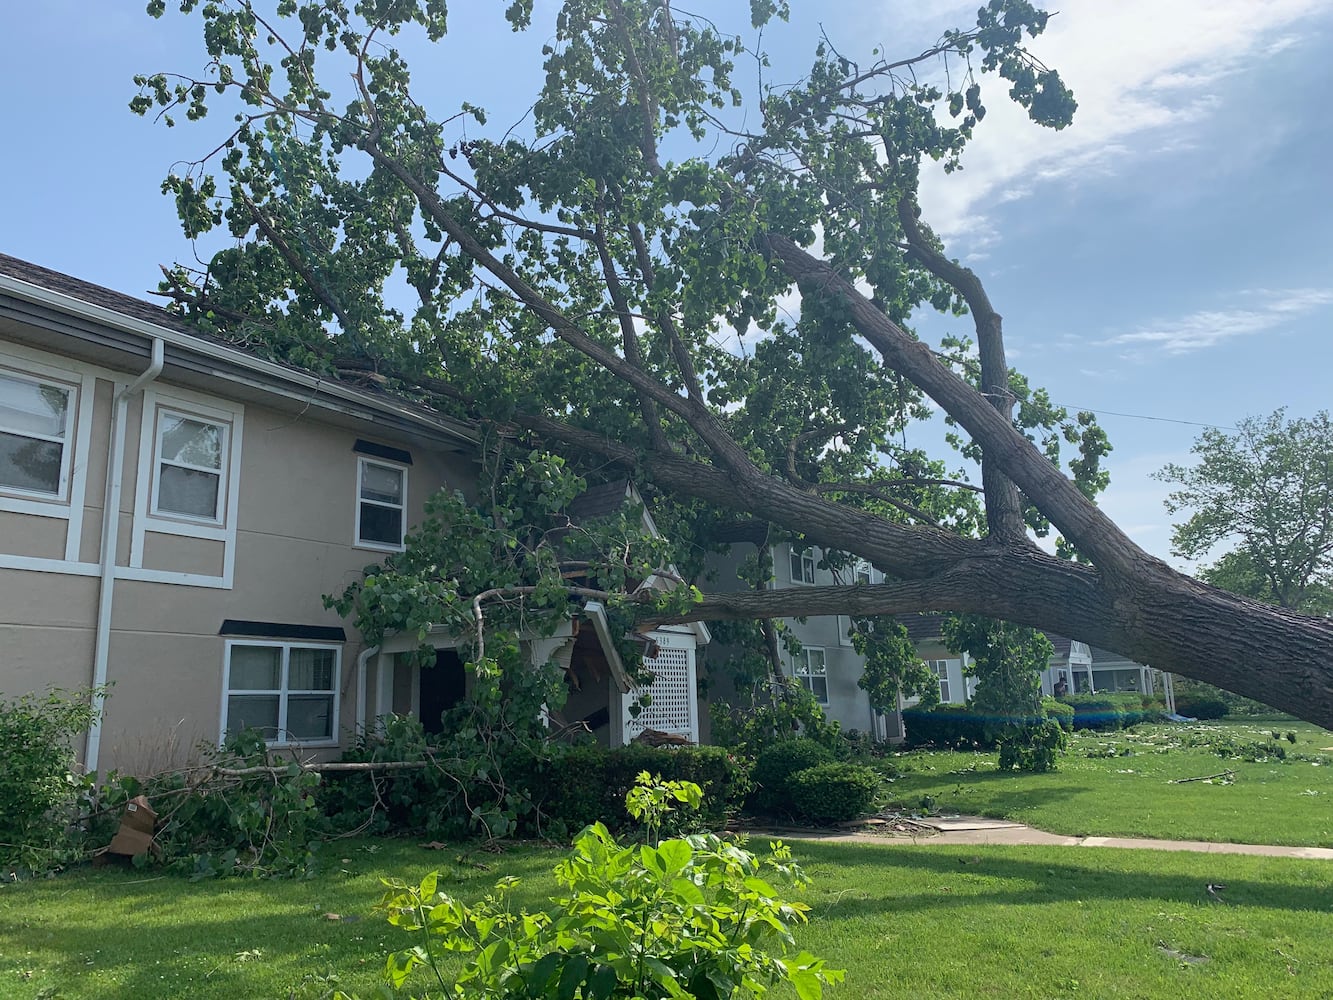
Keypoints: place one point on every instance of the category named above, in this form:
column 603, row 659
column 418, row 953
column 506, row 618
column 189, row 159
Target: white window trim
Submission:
column 220, row 512
column 941, row 669
column 863, row 567
column 211, row 409
column 803, row 555
column 71, row 390
column 283, row 691
column 360, row 543
column 24, row 361
column 844, row 627
column 803, row 672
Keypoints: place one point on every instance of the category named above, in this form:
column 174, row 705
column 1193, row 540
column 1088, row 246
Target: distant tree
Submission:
column 1267, row 488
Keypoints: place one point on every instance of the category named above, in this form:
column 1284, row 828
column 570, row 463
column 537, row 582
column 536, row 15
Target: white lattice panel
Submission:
column 673, row 708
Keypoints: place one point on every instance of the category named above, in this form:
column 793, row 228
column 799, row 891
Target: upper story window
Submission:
column 381, row 505
column 802, row 565
column 863, row 573
column 190, row 479
column 35, row 432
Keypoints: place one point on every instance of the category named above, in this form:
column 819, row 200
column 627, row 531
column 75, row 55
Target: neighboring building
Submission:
column 827, row 665
column 173, row 508
column 1081, row 667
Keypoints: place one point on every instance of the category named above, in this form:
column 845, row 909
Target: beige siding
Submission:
column 294, row 527
column 31, row 535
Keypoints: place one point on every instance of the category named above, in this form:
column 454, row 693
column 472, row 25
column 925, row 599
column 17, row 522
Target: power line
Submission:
column 1144, row 416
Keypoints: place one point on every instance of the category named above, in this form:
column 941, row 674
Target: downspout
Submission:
column 362, row 665
column 115, row 480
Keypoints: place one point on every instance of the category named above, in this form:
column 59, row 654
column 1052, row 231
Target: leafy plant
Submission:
column 39, row 784
column 1033, row 746
column 774, row 768
column 833, row 792
column 688, row 917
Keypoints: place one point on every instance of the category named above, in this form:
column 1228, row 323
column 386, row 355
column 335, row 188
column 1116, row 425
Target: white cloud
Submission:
column 1142, row 71
column 1256, row 311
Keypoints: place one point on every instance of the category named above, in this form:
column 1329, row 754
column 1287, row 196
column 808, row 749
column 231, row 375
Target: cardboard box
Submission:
column 135, row 835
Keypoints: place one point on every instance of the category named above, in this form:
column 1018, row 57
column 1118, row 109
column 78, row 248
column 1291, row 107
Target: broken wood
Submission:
column 1228, row 773
column 369, row 765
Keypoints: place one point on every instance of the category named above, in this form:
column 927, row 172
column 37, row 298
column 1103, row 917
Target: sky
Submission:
column 1166, row 262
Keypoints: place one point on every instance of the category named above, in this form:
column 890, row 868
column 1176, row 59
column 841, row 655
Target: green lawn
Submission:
column 1132, row 794
column 915, row 921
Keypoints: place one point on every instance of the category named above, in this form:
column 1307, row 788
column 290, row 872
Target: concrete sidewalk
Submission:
column 980, row 830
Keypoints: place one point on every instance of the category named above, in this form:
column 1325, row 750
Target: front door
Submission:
column 442, row 686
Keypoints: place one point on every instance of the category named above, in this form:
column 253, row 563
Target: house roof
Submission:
column 1106, row 658
column 116, row 327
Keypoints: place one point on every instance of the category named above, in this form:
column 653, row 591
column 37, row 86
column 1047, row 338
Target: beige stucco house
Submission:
column 173, row 508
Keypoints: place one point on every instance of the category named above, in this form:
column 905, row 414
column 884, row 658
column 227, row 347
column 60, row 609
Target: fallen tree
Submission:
column 573, row 286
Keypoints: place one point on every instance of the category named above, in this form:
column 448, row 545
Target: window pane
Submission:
column 187, row 491
column 253, row 711
column 256, row 668
column 381, row 483
column 814, row 659
column 796, row 571
column 310, row 717
column 310, row 670
column 191, row 441
column 819, row 688
column 381, row 524
column 29, row 408
column 29, row 464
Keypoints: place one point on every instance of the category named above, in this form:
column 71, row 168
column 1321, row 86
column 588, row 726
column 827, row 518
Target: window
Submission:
column 381, row 498
column 802, row 565
column 941, row 668
column 812, row 673
column 287, row 691
column 844, row 630
column 191, row 467
column 35, row 417
column 863, row 573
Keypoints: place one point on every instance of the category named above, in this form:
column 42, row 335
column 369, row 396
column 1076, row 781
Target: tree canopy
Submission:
column 1267, row 489
column 704, row 284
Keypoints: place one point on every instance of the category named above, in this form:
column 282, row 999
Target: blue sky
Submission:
column 1168, row 256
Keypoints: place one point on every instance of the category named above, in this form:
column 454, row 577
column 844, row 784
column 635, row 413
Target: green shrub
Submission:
column 773, row 771
column 579, row 785
column 833, row 792
column 1097, row 711
column 1200, row 706
column 1032, row 747
column 718, row 928
column 1059, row 712
column 38, row 783
column 947, row 726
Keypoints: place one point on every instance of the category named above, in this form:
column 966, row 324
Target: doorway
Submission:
column 440, row 688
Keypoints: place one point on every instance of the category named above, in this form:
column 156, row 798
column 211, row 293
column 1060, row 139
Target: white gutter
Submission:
column 309, row 382
column 362, row 664
column 115, row 478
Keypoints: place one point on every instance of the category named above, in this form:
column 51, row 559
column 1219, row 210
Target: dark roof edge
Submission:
column 117, row 314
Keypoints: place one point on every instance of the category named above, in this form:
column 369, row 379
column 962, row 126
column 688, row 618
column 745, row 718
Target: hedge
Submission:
column 1059, row 712
column 774, row 768
column 1112, row 710
column 833, row 792
column 1201, row 706
column 581, row 785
